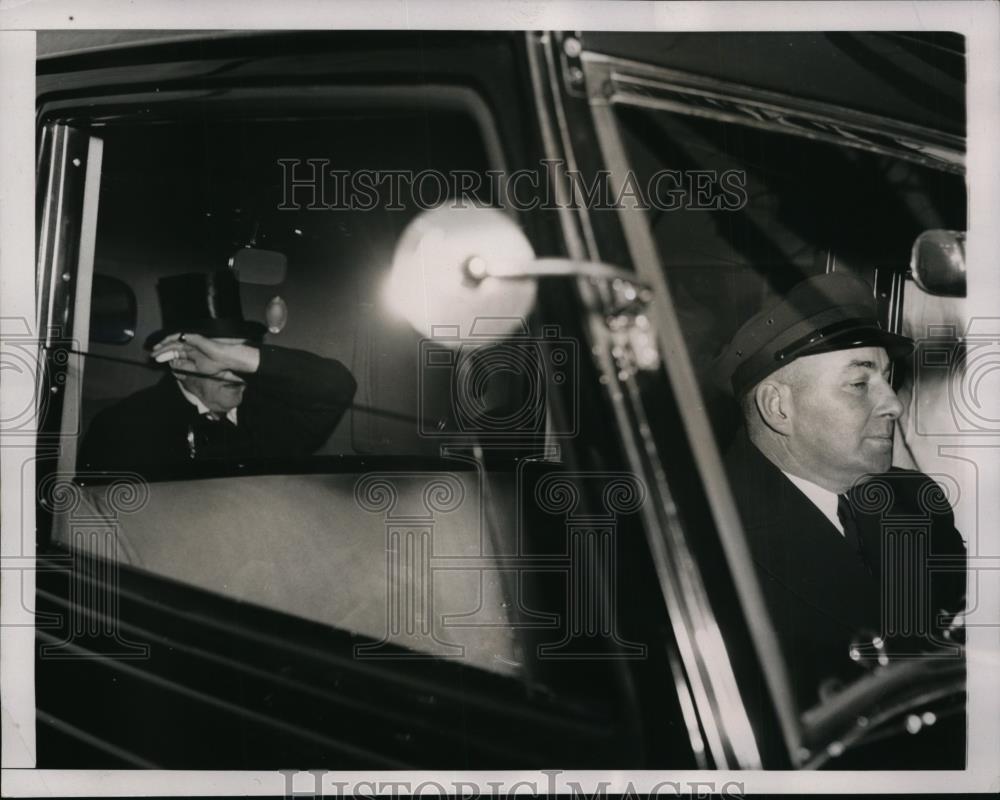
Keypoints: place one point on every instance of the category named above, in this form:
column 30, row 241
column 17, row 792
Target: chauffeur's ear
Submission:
column 773, row 401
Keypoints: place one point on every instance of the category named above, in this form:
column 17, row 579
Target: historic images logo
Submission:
column 314, row 184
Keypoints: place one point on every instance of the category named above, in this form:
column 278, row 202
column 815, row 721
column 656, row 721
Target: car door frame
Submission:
column 584, row 89
column 717, row 720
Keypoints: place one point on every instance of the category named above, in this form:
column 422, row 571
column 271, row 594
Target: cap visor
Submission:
column 895, row 345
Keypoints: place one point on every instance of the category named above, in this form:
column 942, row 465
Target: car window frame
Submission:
column 714, row 712
column 81, row 118
column 613, row 81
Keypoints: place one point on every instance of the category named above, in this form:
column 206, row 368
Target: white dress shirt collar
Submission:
column 194, row 400
column 823, row 499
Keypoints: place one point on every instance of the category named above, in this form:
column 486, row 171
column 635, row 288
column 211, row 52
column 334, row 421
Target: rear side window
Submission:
column 184, row 196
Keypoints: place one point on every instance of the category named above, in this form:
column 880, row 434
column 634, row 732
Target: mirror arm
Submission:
column 478, row 268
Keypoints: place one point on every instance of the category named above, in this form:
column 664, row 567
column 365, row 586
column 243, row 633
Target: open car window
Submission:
column 185, row 195
column 740, row 215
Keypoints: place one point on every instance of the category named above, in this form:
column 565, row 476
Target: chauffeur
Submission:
column 812, row 476
column 226, row 395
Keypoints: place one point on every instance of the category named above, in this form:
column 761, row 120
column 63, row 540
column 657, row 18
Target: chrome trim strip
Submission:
column 84, row 279
column 600, row 350
column 43, row 144
column 566, row 147
column 674, row 565
column 51, row 231
column 43, row 169
column 683, row 590
column 637, row 84
column 644, row 255
column 688, row 712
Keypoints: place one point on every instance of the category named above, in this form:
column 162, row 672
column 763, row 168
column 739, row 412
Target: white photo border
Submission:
column 978, row 22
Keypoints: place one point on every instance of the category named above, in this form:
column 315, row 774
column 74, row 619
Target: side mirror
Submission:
column 261, row 267
column 938, row 262
column 458, row 267
column 112, row 311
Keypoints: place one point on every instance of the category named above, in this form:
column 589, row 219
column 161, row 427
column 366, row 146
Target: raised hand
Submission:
column 193, row 352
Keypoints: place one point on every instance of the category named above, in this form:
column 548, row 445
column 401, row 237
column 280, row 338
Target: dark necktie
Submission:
column 852, row 531
column 212, row 436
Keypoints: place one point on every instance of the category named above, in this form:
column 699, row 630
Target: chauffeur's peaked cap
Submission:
column 819, row 315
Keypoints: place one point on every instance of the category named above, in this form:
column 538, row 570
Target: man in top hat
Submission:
column 226, row 395
column 828, row 520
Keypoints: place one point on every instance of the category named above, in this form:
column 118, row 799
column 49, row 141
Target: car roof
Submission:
column 55, row 44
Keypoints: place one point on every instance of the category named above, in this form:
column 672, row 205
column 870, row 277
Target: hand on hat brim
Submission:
column 242, row 330
column 206, row 356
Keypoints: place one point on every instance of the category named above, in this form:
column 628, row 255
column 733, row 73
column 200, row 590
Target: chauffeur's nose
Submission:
column 889, row 405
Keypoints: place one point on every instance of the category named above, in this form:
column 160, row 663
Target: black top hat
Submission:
column 819, row 315
column 205, row 303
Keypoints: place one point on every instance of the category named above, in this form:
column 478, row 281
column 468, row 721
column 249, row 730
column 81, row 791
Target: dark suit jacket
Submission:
column 817, row 587
column 290, row 407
